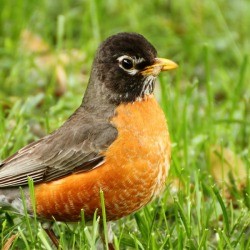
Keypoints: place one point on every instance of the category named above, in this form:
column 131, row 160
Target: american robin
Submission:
column 116, row 141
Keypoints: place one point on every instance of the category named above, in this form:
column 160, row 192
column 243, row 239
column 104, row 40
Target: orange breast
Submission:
column 135, row 168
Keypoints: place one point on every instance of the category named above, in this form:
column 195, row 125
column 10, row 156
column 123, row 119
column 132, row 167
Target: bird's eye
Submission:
column 127, row 63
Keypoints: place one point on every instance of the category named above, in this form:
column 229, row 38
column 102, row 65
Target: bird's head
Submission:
column 125, row 68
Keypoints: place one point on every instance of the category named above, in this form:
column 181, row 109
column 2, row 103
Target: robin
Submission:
column 116, row 141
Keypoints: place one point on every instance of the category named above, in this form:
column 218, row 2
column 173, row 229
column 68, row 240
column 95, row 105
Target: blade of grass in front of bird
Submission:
column 96, row 225
column 32, row 198
column 104, row 220
column 27, row 217
column 82, row 225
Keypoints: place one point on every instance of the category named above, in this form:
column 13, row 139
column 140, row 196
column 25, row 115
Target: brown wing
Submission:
column 76, row 146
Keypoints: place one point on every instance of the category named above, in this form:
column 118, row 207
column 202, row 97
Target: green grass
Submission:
column 206, row 101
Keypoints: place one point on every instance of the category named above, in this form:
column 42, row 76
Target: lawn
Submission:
column 46, row 51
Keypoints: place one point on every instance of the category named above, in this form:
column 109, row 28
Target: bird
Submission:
column 116, row 141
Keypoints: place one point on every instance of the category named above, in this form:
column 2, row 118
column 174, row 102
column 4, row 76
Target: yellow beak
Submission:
column 160, row 64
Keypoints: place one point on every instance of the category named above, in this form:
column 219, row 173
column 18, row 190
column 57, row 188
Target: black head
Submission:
column 125, row 69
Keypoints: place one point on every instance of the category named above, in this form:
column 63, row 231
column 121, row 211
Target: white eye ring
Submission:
column 127, row 63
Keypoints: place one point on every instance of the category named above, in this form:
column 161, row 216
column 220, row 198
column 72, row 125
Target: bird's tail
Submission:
column 10, row 198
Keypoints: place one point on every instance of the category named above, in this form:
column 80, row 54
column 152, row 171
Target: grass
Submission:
column 206, row 101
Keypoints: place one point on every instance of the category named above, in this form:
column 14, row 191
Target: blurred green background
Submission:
column 46, row 51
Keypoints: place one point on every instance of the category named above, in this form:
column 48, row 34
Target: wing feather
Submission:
column 75, row 147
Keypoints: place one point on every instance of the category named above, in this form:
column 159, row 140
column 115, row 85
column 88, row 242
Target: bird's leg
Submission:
column 52, row 236
column 47, row 228
column 110, row 236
